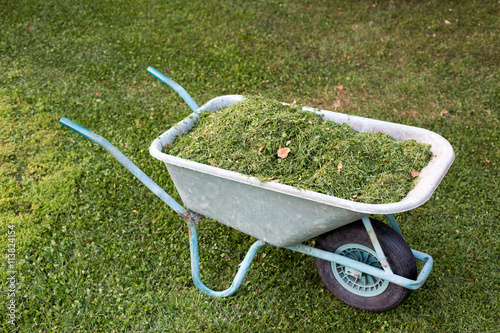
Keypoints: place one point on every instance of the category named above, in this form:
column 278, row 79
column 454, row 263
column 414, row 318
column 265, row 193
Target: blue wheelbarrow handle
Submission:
column 175, row 86
column 128, row 165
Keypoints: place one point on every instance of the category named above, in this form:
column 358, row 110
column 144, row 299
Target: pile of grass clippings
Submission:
column 274, row 142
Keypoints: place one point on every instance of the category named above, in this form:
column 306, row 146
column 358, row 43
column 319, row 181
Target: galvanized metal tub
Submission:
column 283, row 215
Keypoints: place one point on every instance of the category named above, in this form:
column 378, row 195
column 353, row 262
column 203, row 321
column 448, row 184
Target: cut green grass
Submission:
column 274, row 142
column 97, row 252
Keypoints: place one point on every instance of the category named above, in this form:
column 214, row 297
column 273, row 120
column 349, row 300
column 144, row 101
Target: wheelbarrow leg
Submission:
column 195, row 264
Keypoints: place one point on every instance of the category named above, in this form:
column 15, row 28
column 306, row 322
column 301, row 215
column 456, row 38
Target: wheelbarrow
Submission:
column 362, row 261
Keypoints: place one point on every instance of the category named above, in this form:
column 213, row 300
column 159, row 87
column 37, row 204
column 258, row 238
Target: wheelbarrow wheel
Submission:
column 364, row 291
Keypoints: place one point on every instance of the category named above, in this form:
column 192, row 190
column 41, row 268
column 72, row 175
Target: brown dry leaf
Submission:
column 487, row 160
column 294, row 102
column 261, row 149
column 336, row 103
column 276, row 180
column 340, row 87
column 444, row 112
column 288, row 142
column 212, row 116
column 447, row 22
column 414, row 174
column 283, row 152
column 339, row 166
column 355, row 196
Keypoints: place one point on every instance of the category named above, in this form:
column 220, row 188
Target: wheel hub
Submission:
column 354, row 273
column 355, row 281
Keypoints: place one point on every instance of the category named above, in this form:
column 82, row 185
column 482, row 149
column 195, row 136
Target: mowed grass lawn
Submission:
column 96, row 251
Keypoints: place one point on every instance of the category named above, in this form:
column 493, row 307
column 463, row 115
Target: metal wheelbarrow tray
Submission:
column 363, row 262
column 283, row 215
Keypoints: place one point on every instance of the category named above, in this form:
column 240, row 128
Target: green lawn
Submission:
column 96, row 251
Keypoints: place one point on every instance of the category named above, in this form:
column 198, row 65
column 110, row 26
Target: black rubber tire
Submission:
column 396, row 250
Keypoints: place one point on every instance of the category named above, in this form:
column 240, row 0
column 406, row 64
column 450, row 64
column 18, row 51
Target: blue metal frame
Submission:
column 242, row 267
column 376, row 244
column 192, row 218
column 364, row 268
